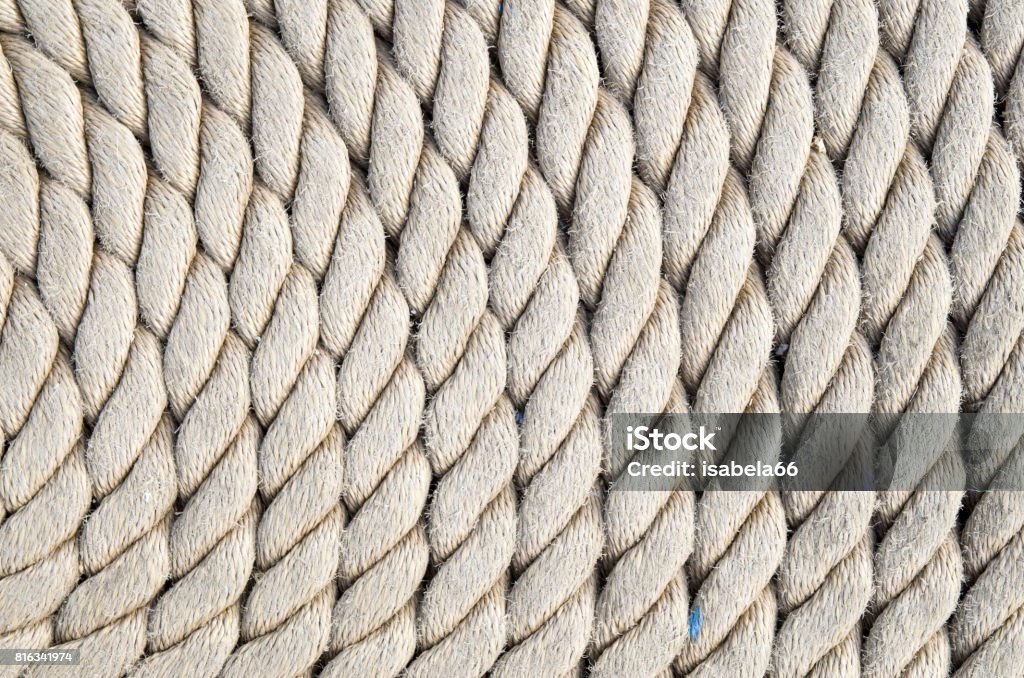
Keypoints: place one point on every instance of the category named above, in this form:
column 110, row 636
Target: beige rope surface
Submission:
column 125, row 545
column 951, row 91
column 877, row 200
column 44, row 469
column 724, row 316
column 314, row 318
column 983, row 631
column 535, row 299
column 469, row 431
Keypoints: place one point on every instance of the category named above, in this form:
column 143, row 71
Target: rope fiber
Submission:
column 317, row 318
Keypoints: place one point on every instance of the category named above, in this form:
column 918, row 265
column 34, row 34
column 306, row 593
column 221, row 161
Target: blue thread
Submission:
column 519, row 418
column 501, row 6
column 696, row 621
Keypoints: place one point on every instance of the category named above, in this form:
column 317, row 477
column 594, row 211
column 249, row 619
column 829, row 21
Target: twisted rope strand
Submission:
column 650, row 58
column 1002, row 40
column 470, row 435
column 694, row 247
column 196, row 623
column 739, row 543
column 44, row 484
column 950, row 87
column 888, row 203
column 584, row 147
column 813, row 282
column 814, row 286
column 977, row 183
column 866, row 91
column 384, row 553
column 124, row 545
column 275, row 307
column 986, row 627
column 519, row 236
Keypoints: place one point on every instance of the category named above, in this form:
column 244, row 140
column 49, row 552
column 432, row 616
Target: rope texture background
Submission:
column 314, row 314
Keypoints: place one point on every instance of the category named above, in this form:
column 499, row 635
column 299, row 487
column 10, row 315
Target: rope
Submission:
column 1002, row 38
column 637, row 630
column 982, row 628
column 979, row 186
column 534, row 297
column 470, row 435
column 886, row 189
column 43, row 468
column 315, row 318
column 124, row 546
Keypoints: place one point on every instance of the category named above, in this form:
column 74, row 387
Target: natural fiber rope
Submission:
column 1002, row 40
column 125, row 545
column 549, row 360
column 824, row 582
column 985, row 629
column 978, row 183
column 470, row 434
column 45, row 484
column 641, row 614
column 612, row 301
column 330, row 312
column 915, row 588
column 868, row 90
column 708, row 249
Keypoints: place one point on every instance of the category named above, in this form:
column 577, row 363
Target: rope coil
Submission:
column 316, row 317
